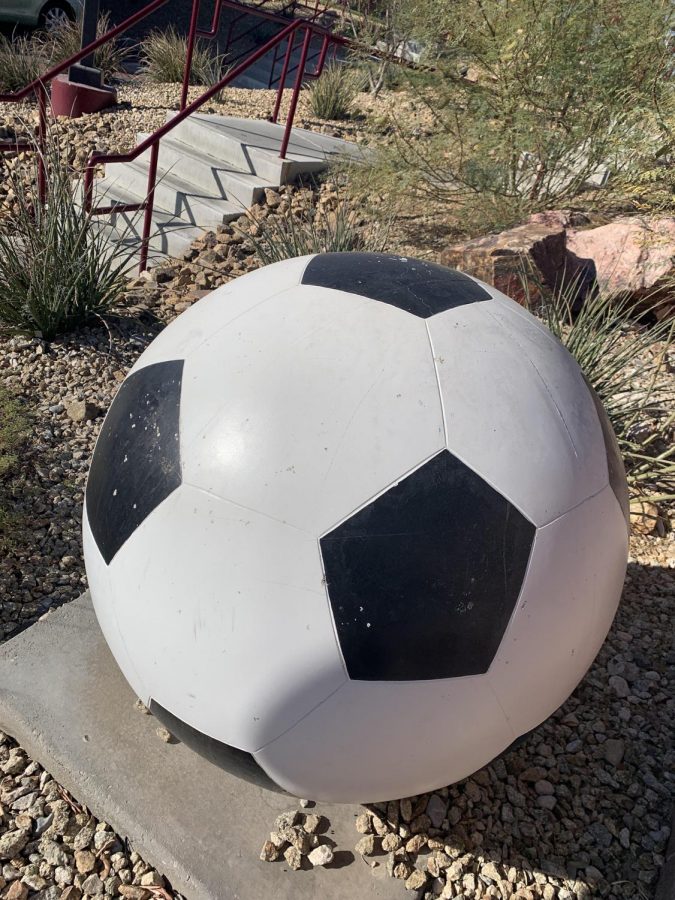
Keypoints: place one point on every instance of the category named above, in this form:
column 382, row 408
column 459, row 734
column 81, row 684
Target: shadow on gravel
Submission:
column 584, row 804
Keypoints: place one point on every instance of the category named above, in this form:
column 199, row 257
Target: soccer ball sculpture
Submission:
column 354, row 524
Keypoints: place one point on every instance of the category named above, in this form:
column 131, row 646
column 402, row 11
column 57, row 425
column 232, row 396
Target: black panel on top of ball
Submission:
column 418, row 287
column 136, row 462
column 615, row 468
column 422, row 581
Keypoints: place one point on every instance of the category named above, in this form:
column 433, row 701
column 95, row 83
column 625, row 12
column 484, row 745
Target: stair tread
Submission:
column 117, row 193
column 202, row 156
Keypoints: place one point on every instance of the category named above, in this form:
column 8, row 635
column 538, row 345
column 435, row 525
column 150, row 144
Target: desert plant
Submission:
column 64, row 41
column 532, row 102
column 163, row 55
column 311, row 226
column 21, row 61
column 57, row 269
column 623, row 360
column 332, row 94
column 13, row 430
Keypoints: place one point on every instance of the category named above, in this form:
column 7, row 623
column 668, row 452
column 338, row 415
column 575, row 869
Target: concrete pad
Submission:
column 64, row 699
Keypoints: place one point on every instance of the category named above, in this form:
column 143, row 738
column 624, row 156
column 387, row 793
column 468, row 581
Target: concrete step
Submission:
column 172, row 194
column 170, row 235
column 206, row 173
column 253, row 145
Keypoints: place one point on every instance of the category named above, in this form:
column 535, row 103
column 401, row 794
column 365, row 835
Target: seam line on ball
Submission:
column 438, row 383
column 251, row 509
column 302, row 718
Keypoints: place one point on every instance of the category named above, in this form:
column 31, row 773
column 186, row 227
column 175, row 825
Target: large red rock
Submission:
column 633, row 257
column 527, row 260
column 516, row 261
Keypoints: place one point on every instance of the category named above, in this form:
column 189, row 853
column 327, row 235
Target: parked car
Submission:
column 44, row 14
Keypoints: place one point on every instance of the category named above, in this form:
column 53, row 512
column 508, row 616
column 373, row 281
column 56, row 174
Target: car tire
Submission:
column 54, row 15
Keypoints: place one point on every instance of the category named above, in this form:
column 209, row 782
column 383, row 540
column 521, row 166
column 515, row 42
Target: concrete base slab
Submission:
column 64, row 699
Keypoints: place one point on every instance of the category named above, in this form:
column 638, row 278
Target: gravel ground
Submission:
column 580, row 811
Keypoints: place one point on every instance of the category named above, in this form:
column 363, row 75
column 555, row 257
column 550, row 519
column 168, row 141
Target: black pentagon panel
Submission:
column 231, row 759
column 136, row 462
column 617, row 473
column 422, row 582
column 419, row 287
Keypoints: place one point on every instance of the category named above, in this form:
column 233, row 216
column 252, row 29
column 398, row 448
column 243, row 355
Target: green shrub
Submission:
column 332, row 94
column 314, row 227
column 163, row 56
column 531, row 102
column 21, row 61
column 624, row 360
column 57, row 270
column 13, row 431
column 65, row 41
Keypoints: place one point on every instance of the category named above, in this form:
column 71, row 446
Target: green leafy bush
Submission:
column 624, row 360
column 332, row 94
column 532, row 102
column 57, row 270
column 314, row 227
column 163, row 55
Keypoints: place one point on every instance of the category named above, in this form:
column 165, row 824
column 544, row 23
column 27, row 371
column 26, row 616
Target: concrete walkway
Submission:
column 66, row 702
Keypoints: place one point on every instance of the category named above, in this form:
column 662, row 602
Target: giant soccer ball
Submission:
column 355, row 523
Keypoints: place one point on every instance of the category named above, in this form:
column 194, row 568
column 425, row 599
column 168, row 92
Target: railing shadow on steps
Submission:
column 308, row 26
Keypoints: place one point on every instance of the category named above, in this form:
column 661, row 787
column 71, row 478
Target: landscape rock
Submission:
column 12, row 843
column 633, row 256
column 515, row 261
column 321, row 855
column 82, row 410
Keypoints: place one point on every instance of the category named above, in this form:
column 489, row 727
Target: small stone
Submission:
column 12, row 843
column 84, row 836
column 16, row 891
column 64, row 875
column 93, row 886
column 72, row 893
column 82, row 410
column 401, row 870
column 613, row 751
column 416, row 842
column 491, row 871
column 141, row 707
column 293, row 857
column 544, row 788
column 436, row 810
column 305, row 803
column 420, row 824
column 133, row 892
column 416, row 880
column 366, row 846
column 85, row 861
column 285, row 819
column 321, row 855
column 620, row 686
column 152, row 879
column 269, row 852
column 546, row 802
column 406, row 809
column 311, row 824
column 164, row 734
column 391, row 842
column 277, row 839
column 644, row 516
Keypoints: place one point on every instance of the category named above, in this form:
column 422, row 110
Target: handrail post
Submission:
column 282, row 77
column 41, row 92
column 149, row 206
column 296, row 93
column 189, row 51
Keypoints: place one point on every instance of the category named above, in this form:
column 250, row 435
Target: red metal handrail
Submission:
column 152, row 141
column 310, row 27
